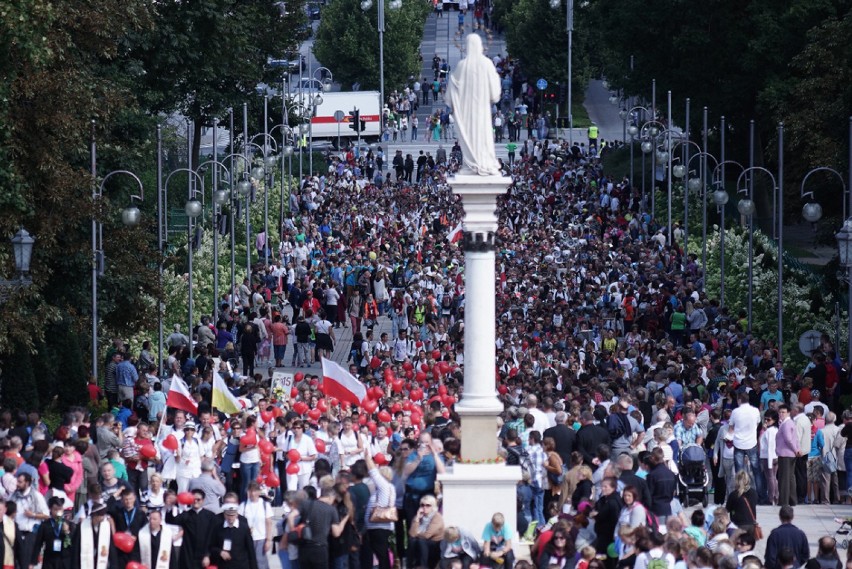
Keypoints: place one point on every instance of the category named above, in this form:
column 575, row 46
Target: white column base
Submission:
column 475, row 492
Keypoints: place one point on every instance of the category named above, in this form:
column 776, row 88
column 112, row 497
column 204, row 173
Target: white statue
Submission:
column 473, row 87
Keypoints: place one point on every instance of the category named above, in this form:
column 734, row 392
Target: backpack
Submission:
column 658, row 563
column 523, row 457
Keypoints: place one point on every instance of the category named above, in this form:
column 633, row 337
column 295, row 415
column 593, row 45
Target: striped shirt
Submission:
column 383, row 496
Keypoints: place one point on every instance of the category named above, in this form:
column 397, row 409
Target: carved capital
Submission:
column 478, row 241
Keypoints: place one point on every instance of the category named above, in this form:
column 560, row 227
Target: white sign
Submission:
column 282, row 384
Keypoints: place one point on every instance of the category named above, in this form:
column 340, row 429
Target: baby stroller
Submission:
column 692, row 479
column 841, row 535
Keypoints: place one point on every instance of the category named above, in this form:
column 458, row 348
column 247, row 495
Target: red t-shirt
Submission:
column 94, row 392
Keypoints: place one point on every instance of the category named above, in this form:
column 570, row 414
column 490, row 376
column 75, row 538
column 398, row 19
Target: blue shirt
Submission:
column 126, row 374
column 492, row 535
column 422, row 480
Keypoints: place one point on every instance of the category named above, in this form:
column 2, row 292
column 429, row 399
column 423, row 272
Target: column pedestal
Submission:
column 475, row 492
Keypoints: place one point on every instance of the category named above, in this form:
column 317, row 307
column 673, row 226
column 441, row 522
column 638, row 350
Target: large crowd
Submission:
column 630, row 398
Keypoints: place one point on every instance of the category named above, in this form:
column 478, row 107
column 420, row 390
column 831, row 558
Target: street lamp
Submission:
column 243, row 190
column 569, row 26
column 22, row 247
column 649, row 133
column 316, row 101
column 130, row 216
column 393, row 5
column 326, row 78
column 720, row 198
column 219, row 198
column 844, row 245
column 696, row 184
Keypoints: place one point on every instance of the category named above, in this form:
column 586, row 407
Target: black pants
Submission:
column 786, row 481
column 378, row 540
column 423, row 552
column 248, row 364
column 313, row 557
column 399, row 529
column 801, row 478
column 138, row 480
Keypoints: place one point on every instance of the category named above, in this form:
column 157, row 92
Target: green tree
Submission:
column 18, row 381
column 70, row 371
column 205, row 56
column 537, row 36
column 347, row 41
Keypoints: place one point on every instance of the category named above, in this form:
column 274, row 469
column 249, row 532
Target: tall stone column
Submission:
column 475, row 492
column 479, row 405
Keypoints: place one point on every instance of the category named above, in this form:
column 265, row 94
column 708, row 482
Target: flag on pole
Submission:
column 456, row 233
column 337, row 382
column 179, row 397
column 223, row 399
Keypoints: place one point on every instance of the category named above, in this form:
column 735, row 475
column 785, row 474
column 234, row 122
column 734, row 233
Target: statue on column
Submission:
column 473, row 87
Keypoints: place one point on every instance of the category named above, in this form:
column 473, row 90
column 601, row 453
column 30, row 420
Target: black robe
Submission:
column 137, row 521
column 76, row 544
column 242, row 546
column 45, row 537
column 17, row 547
column 198, row 527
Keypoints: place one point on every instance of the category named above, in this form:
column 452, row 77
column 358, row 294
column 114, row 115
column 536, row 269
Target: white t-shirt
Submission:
column 347, row 444
column 256, row 513
column 744, row 422
column 306, row 447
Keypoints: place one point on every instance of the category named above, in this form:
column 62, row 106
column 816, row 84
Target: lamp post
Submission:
column 649, row 132
column 680, row 172
column 394, row 5
column 747, row 208
column 633, row 132
column 267, row 172
column 720, row 198
column 698, row 185
column 316, row 101
column 569, row 25
column 219, row 198
column 22, row 247
column 287, row 142
column 326, row 78
column 844, row 245
column 243, row 190
column 193, row 209
column 130, row 216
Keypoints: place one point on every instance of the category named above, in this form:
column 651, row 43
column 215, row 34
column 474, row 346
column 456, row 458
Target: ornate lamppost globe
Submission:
column 555, row 4
column 131, row 216
column 662, row 156
column 647, row 147
column 720, row 197
column 192, row 208
column 678, row 170
column 288, row 150
column 244, row 187
column 257, row 172
column 746, row 207
column 812, row 212
column 633, row 130
column 694, row 184
column 653, row 131
column 622, row 114
column 220, row 197
column 366, row 4
column 270, row 162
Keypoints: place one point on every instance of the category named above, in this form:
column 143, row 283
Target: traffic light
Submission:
column 355, row 122
column 563, row 94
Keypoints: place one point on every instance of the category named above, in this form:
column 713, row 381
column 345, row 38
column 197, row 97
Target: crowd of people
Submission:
column 613, row 365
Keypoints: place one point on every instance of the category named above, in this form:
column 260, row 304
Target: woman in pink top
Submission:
column 280, row 332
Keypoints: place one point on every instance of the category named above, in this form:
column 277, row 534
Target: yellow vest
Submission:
column 593, row 132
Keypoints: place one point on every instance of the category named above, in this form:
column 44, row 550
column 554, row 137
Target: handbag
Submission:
column 383, row 514
column 829, row 462
column 301, row 534
column 758, row 531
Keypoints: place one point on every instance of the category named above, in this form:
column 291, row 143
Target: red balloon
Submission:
column 375, row 363
column 185, row 498
column 266, row 416
column 424, row 368
column 502, row 389
column 396, row 408
column 370, row 405
column 442, row 389
column 248, row 439
column 384, row 417
column 445, row 413
column 409, row 375
column 147, row 451
column 333, row 401
column 525, row 344
column 314, row 382
column 408, row 366
column 448, row 400
column 322, row 405
column 272, row 480
column 292, row 468
column 294, row 393
column 124, row 541
column 436, row 354
column 436, row 373
column 300, row 407
column 513, row 372
column 445, row 367
column 314, row 414
column 418, row 344
column 294, row 455
column 389, row 377
column 135, row 565
column 277, row 412
column 170, row 443
column 266, row 447
column 298, row 376
column 320, row 444
column 406, row 406
column 378, row 392
column 372, row 426
column 416, row 394
column 265, row 464
column 397, row 386
column 362, row 419
column 416, row 417
column 380, row 459
column 420, row 376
